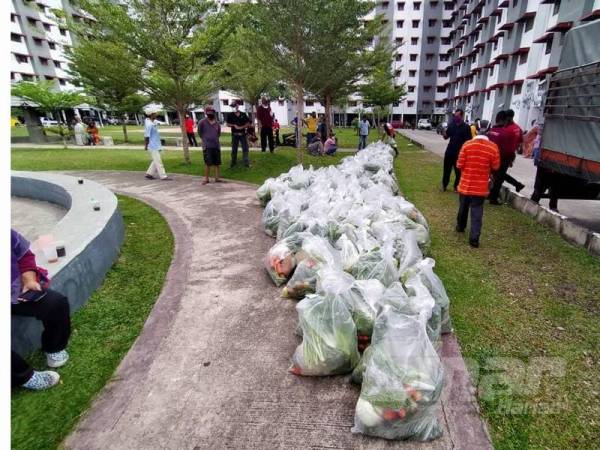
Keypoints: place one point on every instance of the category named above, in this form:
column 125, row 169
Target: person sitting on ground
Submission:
column 508, row 141
column 330, row 146
column 477, row 159
column 50, row 307
column 93, row 133
column 209, row 131
column 315, row 148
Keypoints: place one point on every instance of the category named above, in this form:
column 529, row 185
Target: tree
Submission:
column 109, row 72
column 178, row 40
column 49, row 100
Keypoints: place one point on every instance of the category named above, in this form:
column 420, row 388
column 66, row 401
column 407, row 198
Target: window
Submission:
column 431, row 39
column 517, row 89
column 441, row 89
column 384, row 22
column 495, row 45
column 63, row 32
column 399, row 23
column 515, row 3
column 413, row 56
column 410, row 103
column 448, row 6
column 446, row 41
column 52, row 45
column 12, row 75
column 21, row 58
column 399, row 72
column 353, row 103
column 487, row 96
column 426, row 103
column 429, row 56
column 439, row 104
column 447, row 23
column 309, row 103
column 426, row 88
column 548, row 46
column 556, row 8
column 13, row 18
column 417, row 6
column 26, row 77
column 31, row 21
column 415, row 23
column 432, row 22
column 444, row 58
column 47, row 27
column 42, row 7
column 385, row 4
column 49, row 78
column 491, row 71
column 523, row 58
column 400, row 6
column 412, row 73
column 57, row 64
column 509, row 34
column 442, row 73
column 399, row 57
column 37, row 41
column 428, row 73
column 411, row 88
column 225, row 102
column 15, row 37
column 399, row 40
column 433, row 4
column 528, row 24
column 44, row 61
column 414, row 41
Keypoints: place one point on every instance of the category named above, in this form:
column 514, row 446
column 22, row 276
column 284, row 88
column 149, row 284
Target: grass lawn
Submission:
column 347, row 137
column 103, row 332
column 524, row 294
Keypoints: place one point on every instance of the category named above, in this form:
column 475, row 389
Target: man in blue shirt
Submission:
column 363, row 133
column 153, row 145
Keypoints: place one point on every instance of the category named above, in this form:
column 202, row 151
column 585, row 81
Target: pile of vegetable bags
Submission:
column 353, row 251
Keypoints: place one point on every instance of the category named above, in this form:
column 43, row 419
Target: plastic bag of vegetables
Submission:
column 280, row 261
column 378, row 264
column 364, row 302
column 329, row 344
column 304, row 279
column 423, row 271
column 263, row 193
column 320, row 249
column 348, row 252
column 401, row 382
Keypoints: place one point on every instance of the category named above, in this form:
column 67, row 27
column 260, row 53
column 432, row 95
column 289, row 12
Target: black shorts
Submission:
column 212, row 156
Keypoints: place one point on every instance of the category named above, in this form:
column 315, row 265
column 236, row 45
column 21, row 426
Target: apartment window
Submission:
column 399, row 72
column 399, row 23
column 517, row 89
column 49, row 78
column 415, row 23
column 399, row 40
column 309, row 103
column 442, row 73
column 515, row 3
column 37, row 41
column 414, row 41
column 52, row 45
column 12, row 75
column 528, row 24
column 556, row 8
column 447, row 23
column 426, row 103
column 15, row 37
column 509, row 34
column 412, row 73
column 57, row 64
column 523, row 58
column 400, row 6
column 448, row 6
column 26, row 77
column 411, row 88
column 432, row 22
column 21, row 58
column 429, row 56
column 426, row 88
column 47, row 27
column 487, row 96
column 385, row 4
column 410, row 103
column 44, row 61
column 413, row 57
column 444, row 58
column 428, row 73
column 353, row 103
column 548, row 47
column 31, row 21
column 433, row 4
column 13, row 18
column 225, row 102
column 431, row 40
column 441, row 89
column 63, row 32
column 417, row 6
column 384, row 22
column 439, row 104
column 399, row 57
column 446, row 41
column 495, row 45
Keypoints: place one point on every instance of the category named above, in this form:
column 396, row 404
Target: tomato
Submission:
column 401, row 413
column 389, row 415
column 296, row 370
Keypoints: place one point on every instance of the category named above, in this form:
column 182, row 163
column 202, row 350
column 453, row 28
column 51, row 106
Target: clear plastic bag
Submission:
column 401, row 382
column 364, row 300
column 280, row 261
column 329, row 344
column 348, row 252
column 304, row 279
column 263, row 193
column 407, row 252
column 320, row 249
column 378, row 264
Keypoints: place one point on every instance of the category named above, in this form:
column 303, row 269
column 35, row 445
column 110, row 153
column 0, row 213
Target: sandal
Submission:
column 205, row 182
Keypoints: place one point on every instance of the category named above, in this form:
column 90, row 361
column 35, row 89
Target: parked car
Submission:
column 48, row 122
column 424, row 124
column 441, row 128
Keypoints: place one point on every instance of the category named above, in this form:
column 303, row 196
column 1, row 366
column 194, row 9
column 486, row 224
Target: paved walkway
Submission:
column 209, row 370
column 583, row 212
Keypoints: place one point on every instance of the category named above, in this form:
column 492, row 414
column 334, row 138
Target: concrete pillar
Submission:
column 167, row 118
column 194, row 116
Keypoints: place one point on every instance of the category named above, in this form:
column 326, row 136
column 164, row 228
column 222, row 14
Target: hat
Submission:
column 151, row 109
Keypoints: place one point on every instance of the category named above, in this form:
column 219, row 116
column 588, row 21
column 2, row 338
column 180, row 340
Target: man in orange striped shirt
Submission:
column 478, row 158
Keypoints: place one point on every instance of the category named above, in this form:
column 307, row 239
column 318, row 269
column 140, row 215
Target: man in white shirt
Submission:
column 363, row 133
column 79, row 131
column 153, row 145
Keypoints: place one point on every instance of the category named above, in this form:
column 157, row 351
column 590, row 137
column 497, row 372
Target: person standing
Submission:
column 322, row 129
column 51, row 308
column 311, row 127
column 79, row 131
column 276, row 128
column 209, row 131
column 153, row 145
column 507, row 135
column 189, row 129
column 458, row 132
column 264, row 115
column 363, row 133
column 529, row 139
column 477, row 159
column 239, row 122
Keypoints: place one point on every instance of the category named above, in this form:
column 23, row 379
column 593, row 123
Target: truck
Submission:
column 568, row 165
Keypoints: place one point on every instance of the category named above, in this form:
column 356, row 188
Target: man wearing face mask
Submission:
column 458, row 132
column 239, row 122
column 265, row 122
column 209, row 131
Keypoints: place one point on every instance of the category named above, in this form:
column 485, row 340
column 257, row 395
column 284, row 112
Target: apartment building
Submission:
column 502, row 52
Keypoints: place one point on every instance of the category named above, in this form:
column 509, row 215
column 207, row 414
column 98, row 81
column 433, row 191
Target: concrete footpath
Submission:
column 209, row 370
column 582, row 212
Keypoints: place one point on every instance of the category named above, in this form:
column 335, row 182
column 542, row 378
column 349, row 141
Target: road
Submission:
column 583, row 212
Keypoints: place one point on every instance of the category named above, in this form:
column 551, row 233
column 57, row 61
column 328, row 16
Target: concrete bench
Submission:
column 92, row 240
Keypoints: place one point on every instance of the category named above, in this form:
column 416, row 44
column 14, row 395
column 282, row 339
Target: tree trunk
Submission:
column 328, row 113
column 299, row 118
column 125, row 137
column 184, row 139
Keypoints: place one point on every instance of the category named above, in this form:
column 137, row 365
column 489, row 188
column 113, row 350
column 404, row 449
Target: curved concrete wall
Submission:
column 92, row 240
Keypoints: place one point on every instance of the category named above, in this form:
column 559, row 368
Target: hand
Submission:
column 29, row 282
